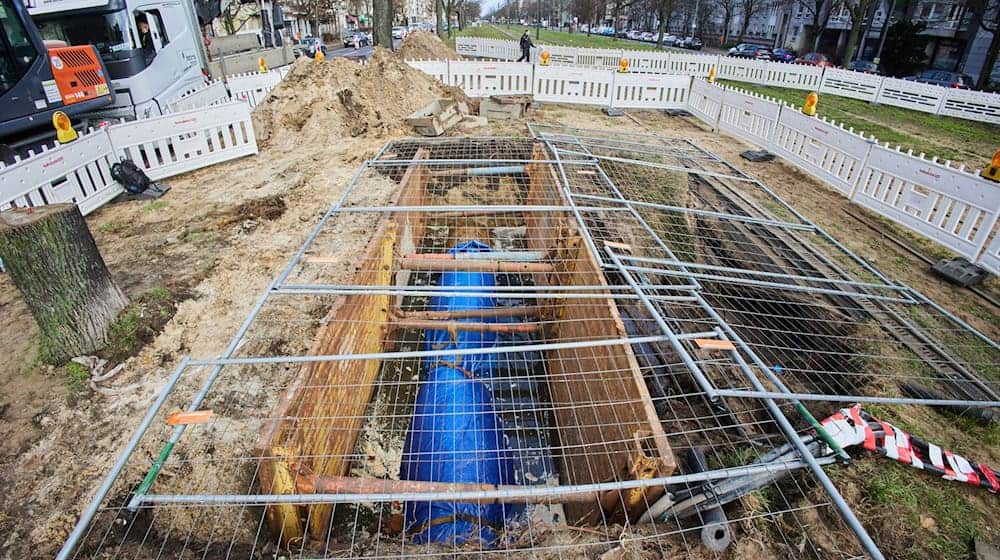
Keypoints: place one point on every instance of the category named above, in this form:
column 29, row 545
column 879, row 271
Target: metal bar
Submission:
column 677, row 168
column 482, row 209
column 334, row 291
column 525, row 492
column 761, row 283
column 462, row 326
column 429, row 353
column 575, row 209
column 697, row 212
column 475, row 290
column 473, row 265
column 518, row 256
column 88, row 514
column 853, row 398
column 453, row 161
column 671, row 336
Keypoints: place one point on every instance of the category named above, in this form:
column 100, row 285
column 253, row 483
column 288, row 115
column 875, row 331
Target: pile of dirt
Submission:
column 422, row 45
column 319, row 102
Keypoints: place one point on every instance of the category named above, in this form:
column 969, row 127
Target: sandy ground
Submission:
column 208, row 240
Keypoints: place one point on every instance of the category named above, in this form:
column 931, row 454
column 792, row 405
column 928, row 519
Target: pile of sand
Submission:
column 422, row 45
column 319, row 102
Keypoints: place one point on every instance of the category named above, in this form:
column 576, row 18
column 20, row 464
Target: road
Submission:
column 363, row 52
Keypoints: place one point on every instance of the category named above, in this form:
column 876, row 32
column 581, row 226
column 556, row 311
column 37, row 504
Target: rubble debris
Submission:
column 437, row 116
column 510, row 107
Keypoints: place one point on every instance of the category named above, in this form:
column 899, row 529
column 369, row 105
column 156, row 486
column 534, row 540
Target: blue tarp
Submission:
column 456, row 435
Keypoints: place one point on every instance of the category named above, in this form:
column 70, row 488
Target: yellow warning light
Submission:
column 711, row 75
column 810, row 107
column 623, row 65
column 319, row 55
column 992, row 171
column 543, row 58
column 64, row 128
column 262, row 65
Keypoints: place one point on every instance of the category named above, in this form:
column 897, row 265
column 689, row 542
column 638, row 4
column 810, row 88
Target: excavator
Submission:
column 39, row 78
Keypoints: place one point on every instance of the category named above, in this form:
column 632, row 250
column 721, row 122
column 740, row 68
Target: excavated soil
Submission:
column 422, row 45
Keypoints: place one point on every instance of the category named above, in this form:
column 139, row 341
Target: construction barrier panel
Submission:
column 963, row 104
column 749, row 116
column 479, row 79
column 180, row 142
column 705, row 101
column 211, row 94
column 645, row 91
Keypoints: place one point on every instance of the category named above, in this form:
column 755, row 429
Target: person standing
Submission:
column 526, row 45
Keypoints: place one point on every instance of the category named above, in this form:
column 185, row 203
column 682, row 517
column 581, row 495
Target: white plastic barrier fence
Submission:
column 435, row 68
column 953, row 207
column 750, row 117
column 990, row 260
column 649, row 91
column 479, row 79
column 211, row 94
column 828, row 152
column 179, row 142
column 977, row 106
column 845, row 83
column 564, row 84
column 78, row 172
column 705, row 101
column 911, row 95
column 252, row 88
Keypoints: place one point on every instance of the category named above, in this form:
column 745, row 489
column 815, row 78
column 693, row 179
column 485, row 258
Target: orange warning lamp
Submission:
column 262, row 65
column 623, row 65
column 319, row 55
column 711, row 75
column 992, row 171
column 810, row 107
column 64, row 128
column 543, row 58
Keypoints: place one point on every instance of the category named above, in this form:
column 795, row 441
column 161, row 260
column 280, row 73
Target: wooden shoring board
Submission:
column 602, row 403
column 335, row 395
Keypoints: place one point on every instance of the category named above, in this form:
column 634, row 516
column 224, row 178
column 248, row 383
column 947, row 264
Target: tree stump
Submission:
column 53, row 260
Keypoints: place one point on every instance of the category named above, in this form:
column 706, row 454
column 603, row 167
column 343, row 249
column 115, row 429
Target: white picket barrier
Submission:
column 990, row 259
column 558, row 56
column 705, row 101
column 650, row 62
column 77, row 172
column 955, row 208
column 691, row 64
column 599, row 58
column 821, row 149
column 645, row 91
column 565, row 84
column 210, row 94
column 846, row 83
column 742, row 70
column 252, row 87
column 795, row 76
column 974, row 105
column 749, row 116
column 481, row 79
column 910, row 95
column 500, row 49
column 435, row 68
column 175, row 143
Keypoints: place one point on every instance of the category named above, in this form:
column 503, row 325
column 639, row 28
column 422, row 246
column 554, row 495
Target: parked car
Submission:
column 943, row 78
column 746, row 50
column 814, row 59
column 398, row 32
column 866, row 66
column 669, row 40
column 308, row 45
column 648, row 36
column 784, row 55
column 692, row 43
column 363, row 39
column 634, row 35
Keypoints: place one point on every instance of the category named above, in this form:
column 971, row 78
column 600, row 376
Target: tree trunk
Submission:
column 54, row 262
column 991, row 60
column 382, row 23
column 439, row 17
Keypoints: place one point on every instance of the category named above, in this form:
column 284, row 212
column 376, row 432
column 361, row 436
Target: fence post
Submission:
column 864, row 163
column 611, row 89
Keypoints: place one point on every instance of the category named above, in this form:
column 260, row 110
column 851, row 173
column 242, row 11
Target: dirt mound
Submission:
column 422, row 45
column 318, row 102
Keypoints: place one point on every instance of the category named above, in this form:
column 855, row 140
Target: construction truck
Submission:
column 152, row 49
column 39, row 79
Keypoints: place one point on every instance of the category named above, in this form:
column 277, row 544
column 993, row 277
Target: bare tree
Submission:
column 819, row 14
column 664, row 9
column 748, row 9
column 858, row 9
column 987, row 13
column 235, row 15
column 382, row 14
column 316, row 11
column 728, row 8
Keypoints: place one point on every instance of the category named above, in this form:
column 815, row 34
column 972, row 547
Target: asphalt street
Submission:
column 363, row 52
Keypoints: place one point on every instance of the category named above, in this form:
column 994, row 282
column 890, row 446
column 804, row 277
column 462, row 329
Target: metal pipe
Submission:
column 460, row 326
column 697, row 212
column 473, row 265
column 517, row 256
column 480, row 171
column 853, row 398
column 482, row 208
column 505, row 294
column 116, row 469
column 506, row 492
column 525, row 311
column 428, row 353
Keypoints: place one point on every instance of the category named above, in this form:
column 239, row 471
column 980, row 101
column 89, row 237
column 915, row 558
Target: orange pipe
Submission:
column 467, row 327
column 408, row 263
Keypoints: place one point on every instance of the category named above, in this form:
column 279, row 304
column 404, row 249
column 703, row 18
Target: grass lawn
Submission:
column 963, row 141
column 561, row 38
column 483, row 31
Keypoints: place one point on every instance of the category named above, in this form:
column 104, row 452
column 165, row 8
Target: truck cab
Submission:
column 36, row 80
column 151, row 48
